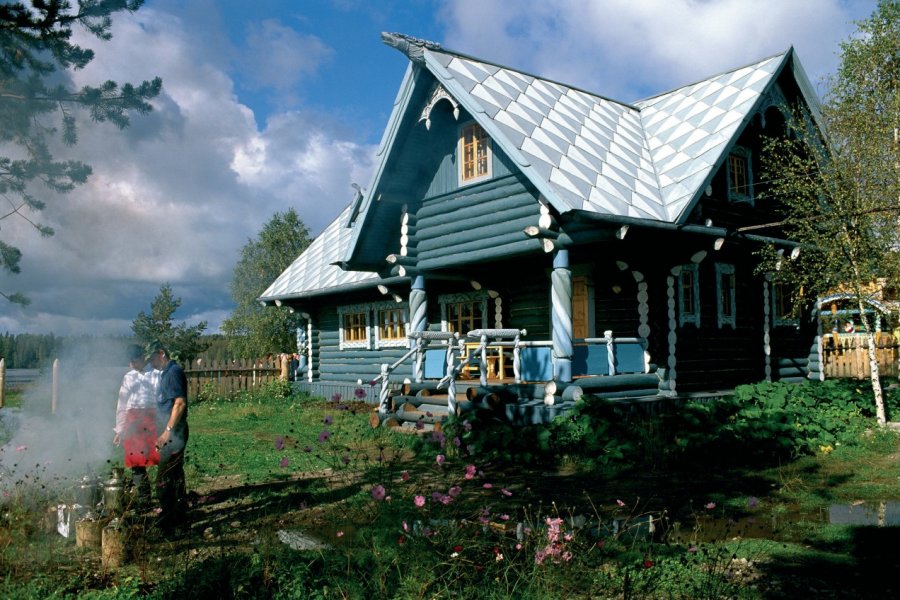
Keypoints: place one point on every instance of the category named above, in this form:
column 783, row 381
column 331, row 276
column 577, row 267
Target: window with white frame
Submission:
column 464, row 312
column 689, row 295
column 474, row 154
column 725, row 293
column 354, row 326
column 784, row 311
column 391, row 325
column 379, row 324
column 740, row 176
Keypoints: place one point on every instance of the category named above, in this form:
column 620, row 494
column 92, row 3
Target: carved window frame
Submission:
column 479, row 297
column 726, row 301
column 402, row 309
column 689, row 295
column 784, row 311
column 371, row 313
column 347, row 316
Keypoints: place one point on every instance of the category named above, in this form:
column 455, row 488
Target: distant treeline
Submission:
column 37, row 351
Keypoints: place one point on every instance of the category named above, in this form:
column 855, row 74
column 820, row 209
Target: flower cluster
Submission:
column 555, row 550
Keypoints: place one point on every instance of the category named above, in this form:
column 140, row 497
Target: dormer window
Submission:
column 474, row 154
column 740, row 176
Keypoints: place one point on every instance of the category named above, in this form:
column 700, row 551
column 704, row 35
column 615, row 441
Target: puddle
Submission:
column 883, row 514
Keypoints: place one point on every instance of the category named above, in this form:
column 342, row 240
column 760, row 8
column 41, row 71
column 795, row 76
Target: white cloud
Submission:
column 175, row 196
column 627, row 50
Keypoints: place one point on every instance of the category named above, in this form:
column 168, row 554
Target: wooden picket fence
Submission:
column 226, row 378
column 847, row 356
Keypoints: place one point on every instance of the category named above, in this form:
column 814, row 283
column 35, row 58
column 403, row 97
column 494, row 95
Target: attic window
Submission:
column 474, row 153
column 740, row 176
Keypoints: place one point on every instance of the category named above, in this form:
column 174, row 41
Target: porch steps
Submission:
column 419, row 414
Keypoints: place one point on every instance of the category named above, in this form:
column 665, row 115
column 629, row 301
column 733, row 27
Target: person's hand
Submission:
column 117, row 440
column 163, row 439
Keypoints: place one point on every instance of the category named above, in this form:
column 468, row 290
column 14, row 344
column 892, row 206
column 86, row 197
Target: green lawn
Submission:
column 401, row 517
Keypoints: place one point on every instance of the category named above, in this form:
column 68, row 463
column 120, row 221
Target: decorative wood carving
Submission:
column 438, row 93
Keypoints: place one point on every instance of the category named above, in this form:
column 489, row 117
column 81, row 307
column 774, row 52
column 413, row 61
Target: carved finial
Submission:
column 412, row 47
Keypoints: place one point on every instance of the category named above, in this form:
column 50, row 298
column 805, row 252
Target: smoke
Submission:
column 50, row 451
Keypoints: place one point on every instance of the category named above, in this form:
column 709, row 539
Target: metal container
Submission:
column 113, row 492
column 88, row 492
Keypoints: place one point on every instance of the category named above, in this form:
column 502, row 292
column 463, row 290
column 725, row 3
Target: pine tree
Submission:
column 182, row 342
column 38, row 103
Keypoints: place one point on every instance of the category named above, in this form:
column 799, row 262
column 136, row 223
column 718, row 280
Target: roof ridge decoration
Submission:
column 412, row 47
column 438, row 93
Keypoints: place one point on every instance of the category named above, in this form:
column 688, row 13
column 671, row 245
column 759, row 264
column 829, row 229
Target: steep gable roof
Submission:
column 649, row 160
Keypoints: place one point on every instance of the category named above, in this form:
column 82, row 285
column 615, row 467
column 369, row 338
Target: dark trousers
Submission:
column 171, row 488
column 141, row 484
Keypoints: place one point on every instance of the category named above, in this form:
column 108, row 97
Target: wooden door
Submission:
column 580, row 311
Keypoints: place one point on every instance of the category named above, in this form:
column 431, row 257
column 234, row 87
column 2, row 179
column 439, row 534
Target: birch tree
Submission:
column 838, row 176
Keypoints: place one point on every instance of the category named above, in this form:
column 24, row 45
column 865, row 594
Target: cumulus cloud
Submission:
column 173, row 198
column 628, row 50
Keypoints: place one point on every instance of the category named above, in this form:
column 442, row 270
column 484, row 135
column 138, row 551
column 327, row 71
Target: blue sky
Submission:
column 272, row 104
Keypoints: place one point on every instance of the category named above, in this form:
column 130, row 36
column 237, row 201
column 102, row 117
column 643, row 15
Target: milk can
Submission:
column 87, row 492
column 113, row 493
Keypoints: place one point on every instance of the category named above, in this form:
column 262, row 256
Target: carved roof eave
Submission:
column 412, row 47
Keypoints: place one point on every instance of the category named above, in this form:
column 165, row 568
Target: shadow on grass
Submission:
column 863, row 565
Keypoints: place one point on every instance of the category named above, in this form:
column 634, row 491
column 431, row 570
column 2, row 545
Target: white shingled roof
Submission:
column 313, row 270
column 646, row 160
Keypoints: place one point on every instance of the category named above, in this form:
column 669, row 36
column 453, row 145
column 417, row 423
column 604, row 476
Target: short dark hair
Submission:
column 135, row 352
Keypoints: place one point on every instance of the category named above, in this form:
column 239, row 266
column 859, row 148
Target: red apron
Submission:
column 139, row 439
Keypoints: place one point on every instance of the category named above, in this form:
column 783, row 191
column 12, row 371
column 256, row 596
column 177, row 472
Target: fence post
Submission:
column 2, row 380
column 54, row 387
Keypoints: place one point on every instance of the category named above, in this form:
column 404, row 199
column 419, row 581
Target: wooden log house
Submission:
column 608, row 234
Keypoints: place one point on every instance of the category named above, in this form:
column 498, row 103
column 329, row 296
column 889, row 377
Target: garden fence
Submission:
column 847, row 356
column 229, row 377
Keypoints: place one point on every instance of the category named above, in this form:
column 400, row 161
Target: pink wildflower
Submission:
column 470, row 471
column 710, row 505
column 378, row 492
column 279, row 443
column 620, row 503
column 359, row 393
column 339, row 534
column 505, row 492
column 455, row 491
column 323, row 437
column 284, row 462
column 488, row 486
column 440, row 459
column 404, row 475
column 419, row 501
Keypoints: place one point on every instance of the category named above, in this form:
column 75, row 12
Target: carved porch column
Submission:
column 561, row 316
